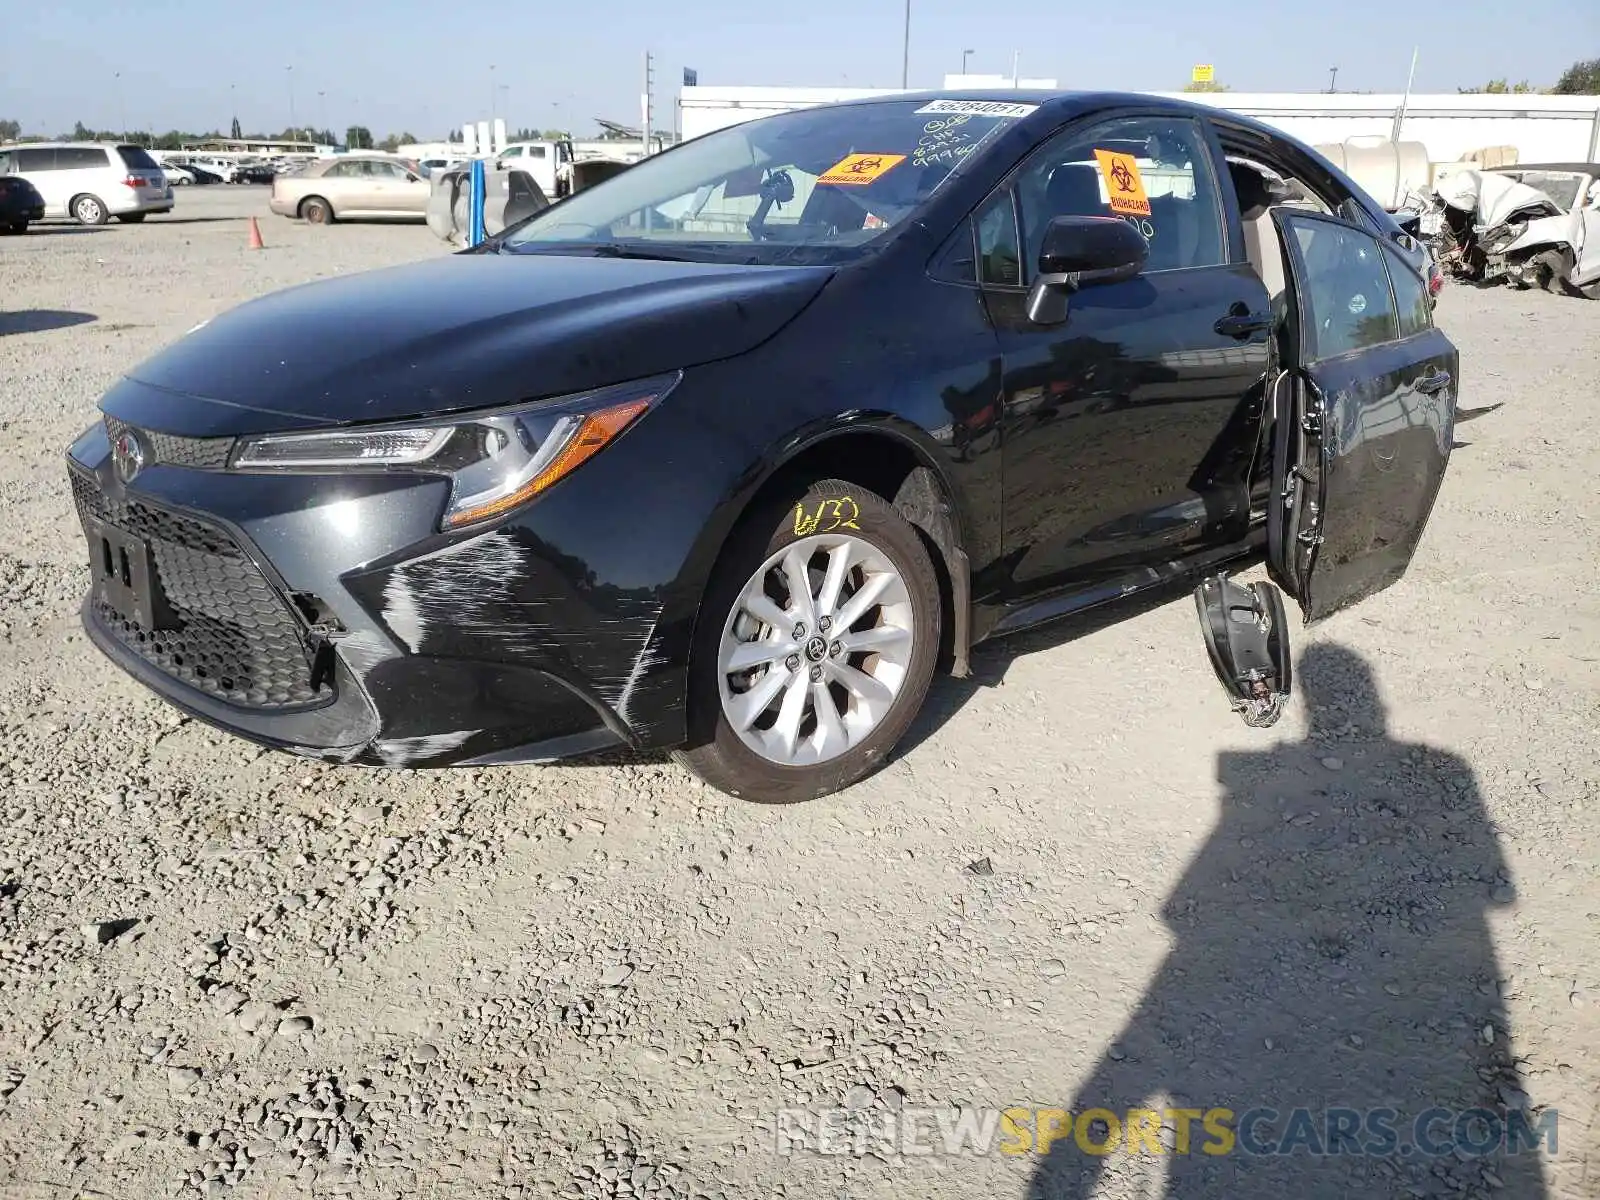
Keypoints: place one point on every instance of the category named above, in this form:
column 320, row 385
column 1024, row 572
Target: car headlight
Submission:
column 495, row 461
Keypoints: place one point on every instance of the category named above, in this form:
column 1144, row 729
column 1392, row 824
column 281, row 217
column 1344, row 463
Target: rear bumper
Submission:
column 283, row 208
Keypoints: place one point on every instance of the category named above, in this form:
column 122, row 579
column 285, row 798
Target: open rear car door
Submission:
column 1363, row 414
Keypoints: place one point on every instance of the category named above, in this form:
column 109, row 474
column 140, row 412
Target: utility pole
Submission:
column 644, row 101
column 1333, row 78
column 905, row 56
column 965, row 54
column 1405, row 101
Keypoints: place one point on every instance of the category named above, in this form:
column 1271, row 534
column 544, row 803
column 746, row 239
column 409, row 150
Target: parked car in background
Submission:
column 91, row 181
column 225, row 169
column 687, row 460
column 352, row 186
column 20, row 204
column 177, row 176
column 427, row 166
column 1530, row 225
column 257, row 172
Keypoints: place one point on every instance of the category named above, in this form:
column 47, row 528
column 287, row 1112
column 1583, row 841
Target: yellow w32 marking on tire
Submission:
column 828, row 516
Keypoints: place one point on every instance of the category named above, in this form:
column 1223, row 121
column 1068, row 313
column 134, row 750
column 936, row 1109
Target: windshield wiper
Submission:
column 617, row 250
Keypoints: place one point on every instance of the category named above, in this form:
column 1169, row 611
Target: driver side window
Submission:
column 1153, row 172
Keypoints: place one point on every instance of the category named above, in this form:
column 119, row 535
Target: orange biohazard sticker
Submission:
column 855, row 170
column 1123, row 184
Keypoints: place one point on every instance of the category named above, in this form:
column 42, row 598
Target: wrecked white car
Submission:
column 1531, row 225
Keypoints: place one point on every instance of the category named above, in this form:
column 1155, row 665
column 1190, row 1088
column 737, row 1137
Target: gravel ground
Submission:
column 225, row 972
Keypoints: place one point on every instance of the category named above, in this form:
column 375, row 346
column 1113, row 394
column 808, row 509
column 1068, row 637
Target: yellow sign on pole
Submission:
column 1203, row 73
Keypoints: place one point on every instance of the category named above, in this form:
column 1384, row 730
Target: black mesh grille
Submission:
column 199, row 454
column 232, row 637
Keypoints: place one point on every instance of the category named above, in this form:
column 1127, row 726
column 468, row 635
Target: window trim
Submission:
column 1010, row 194
column 1300, row 273
column 1391, row 255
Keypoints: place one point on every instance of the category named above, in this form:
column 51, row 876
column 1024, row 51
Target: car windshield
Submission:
column 1560, row 186
column 816, row 185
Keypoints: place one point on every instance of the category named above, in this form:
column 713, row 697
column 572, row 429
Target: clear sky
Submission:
column 423, row 67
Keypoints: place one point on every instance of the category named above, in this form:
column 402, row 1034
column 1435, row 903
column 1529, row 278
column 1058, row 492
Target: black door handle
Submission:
column 1437, row 382
column 1242, row 325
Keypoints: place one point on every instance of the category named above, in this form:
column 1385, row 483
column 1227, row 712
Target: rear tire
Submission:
column 89, row 210
column 836, row 676
column 314, row 210
column 131, row 218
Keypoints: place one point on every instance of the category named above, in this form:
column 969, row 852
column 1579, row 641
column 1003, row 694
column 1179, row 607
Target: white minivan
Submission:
column 91, row 181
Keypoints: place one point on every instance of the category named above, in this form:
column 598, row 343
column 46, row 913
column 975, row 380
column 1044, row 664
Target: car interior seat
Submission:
column 1261, row 242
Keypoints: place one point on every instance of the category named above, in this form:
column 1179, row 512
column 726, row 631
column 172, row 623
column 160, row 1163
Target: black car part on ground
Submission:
column 1161, row 424
column 20, row 204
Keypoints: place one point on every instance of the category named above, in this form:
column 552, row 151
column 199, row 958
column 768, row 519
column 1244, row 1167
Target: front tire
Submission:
column 815, row 646
column 16, row 227
column 89, row 210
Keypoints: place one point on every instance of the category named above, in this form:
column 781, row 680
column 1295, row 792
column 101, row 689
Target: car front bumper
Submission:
column 325, row 615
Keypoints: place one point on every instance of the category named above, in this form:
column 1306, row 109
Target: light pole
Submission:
column 905, row 58
column 1333, row 77
column 492, row 90
column 322, row 97
column 288, row 73
column 965, row 54
column 122, row 109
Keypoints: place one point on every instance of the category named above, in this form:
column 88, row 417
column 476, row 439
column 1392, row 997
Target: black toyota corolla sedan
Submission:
column 731, row 453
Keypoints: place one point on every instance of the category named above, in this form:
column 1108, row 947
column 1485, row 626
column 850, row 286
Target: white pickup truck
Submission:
column 556, row 167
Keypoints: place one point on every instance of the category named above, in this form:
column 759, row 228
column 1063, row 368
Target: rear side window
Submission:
column 5, row 162
column 135, row 159
column 77, row 158
column 1346, row 305
column 35, row 160
column 1410, row 296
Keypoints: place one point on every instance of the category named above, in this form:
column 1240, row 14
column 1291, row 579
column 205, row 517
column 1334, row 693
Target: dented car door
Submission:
column 1363, row 416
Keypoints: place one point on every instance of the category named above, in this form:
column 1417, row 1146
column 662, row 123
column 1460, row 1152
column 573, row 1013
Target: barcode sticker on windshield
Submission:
column 979, row 108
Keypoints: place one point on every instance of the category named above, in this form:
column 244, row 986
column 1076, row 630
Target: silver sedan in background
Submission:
column 352, row 186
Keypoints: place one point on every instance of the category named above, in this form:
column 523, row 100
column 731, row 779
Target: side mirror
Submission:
column 1081, row 252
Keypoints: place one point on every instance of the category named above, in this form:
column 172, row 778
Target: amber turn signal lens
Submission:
column 597, row 430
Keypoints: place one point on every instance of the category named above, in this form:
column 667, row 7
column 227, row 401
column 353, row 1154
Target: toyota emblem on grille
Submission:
column 127, row 455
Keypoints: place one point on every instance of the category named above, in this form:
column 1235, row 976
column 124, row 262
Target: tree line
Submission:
column 356, row 137
column 1580, row 79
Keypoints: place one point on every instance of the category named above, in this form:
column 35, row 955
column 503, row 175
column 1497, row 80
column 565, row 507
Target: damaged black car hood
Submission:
column 461, row 332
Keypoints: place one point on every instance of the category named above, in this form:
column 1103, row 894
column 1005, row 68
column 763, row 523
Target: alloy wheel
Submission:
column 815, row 650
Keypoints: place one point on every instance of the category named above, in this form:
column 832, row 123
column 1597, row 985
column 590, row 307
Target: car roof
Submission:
column 1065, row 104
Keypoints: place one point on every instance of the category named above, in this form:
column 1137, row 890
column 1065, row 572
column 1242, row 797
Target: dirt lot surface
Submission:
column 228, row 972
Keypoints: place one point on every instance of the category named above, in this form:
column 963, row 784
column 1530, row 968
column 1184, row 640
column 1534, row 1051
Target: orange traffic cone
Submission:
column 255, row 236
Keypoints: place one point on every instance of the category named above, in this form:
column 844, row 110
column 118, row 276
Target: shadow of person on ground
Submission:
column 1332, row 954
column 41, row 320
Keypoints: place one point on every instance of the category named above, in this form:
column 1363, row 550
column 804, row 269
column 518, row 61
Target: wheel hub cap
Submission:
column 795, row 699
